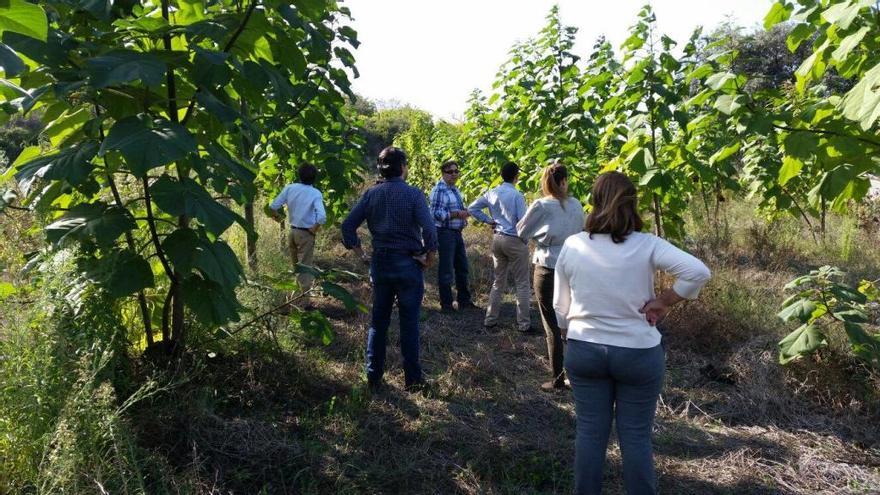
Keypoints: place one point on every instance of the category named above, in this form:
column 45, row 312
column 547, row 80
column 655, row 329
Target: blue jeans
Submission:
column 395, row 275
column 623, row 382
column 452, row 265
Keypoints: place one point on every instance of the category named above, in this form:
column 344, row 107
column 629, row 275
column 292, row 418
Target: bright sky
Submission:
column 433, row 53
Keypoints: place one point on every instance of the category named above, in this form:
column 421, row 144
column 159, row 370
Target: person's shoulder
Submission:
column 575, row 203
column 577, row 239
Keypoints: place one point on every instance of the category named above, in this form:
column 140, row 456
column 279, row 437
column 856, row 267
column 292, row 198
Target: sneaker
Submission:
column 553, row 386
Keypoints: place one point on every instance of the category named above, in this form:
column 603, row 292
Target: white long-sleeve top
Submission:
column 550, row 223
column 600, row 286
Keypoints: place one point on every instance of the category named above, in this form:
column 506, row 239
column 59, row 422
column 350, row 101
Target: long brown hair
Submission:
column 551, row 182
column 615, row 207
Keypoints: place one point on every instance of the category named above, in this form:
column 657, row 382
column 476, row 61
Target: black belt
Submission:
column 301, row 228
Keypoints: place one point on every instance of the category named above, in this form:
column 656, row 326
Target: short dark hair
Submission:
column 449, row 163
column 391, row 162
column 307, row 173
column 615, row 207
column 509, row 171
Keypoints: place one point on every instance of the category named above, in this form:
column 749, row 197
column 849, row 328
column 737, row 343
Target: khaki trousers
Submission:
column 302, row 250
column 510, row 255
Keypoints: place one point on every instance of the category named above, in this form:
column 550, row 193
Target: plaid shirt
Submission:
column 397, row 216
column 444, row 199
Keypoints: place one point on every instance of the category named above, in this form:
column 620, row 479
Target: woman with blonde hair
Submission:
column 550, row 221
column 604, row 296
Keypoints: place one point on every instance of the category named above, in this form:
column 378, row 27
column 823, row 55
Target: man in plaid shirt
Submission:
column 450, row 218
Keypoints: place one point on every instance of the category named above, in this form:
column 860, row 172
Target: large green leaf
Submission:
column 862, row 102
column 797, row 36
column 212, row 303
column 728, row 104
column 779, row 12
column 801, row 310
column 72, row 164
column 121, row 273
column 188, row 250
column 124, row 66
column 864, row 345
column 189, row 198
column 147, row 144
column 805, row 340
column 791, row 167
column 844, row 13
column 342, row 294
column 848, row 44
column 91, row 221
column 20, row 16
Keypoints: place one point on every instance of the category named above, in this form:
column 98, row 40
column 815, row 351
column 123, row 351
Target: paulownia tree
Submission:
column 158, row 116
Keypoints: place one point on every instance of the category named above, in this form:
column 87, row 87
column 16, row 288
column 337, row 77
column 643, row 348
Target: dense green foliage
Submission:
column 158, row 117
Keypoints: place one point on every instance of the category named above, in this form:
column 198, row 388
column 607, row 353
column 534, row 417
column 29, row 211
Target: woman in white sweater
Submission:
column 550, row 221
column 604, row 296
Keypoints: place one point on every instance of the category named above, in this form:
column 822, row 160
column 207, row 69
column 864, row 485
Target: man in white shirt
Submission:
column 305, row 211
column 510, row 253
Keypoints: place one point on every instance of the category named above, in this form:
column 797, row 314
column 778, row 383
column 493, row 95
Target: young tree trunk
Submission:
column 251, row 244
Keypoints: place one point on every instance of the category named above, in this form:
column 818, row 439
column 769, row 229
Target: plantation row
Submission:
column 695, row 124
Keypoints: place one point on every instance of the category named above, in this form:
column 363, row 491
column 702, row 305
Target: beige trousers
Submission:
column 302, row 250
column 510, row 255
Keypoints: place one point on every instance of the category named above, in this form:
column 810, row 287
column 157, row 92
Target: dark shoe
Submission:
column 467, row 305
column 553, row 386
column 491, row 329
column 447, row 309
column 530, row 330
column 375, row 386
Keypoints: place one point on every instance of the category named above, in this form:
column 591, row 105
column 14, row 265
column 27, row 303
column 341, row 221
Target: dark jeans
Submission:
column 624, row 382
column 543, row 282
column 453, row 265
column 395, row 275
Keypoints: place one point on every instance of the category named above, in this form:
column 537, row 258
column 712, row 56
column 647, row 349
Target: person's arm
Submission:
column 561, row 290
column 520, row 210
column 355, row 218
column 278, row 203
column 320, row 212
column 531, row 222
column 426, row 223
column 439, row 206
column 690, row 274
column 476, row 210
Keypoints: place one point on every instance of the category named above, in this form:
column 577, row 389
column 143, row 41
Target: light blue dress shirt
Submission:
column 305, row 205
column 506, row 205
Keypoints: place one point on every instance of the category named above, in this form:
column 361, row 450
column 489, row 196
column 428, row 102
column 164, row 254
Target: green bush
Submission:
column 65, row 387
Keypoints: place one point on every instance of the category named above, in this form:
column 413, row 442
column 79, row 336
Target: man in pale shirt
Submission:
column 510, row 253
column 305, row 211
